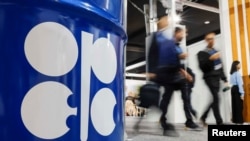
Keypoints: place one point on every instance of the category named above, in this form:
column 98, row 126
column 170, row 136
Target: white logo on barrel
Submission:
column 52, row 50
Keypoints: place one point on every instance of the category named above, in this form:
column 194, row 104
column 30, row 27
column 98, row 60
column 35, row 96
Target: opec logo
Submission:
column 51, row 49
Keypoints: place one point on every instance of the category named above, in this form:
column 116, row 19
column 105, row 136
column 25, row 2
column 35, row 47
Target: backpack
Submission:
column 149, row 95
column 153, row 53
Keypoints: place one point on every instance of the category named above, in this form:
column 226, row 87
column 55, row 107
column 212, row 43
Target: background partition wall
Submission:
column 239, row 31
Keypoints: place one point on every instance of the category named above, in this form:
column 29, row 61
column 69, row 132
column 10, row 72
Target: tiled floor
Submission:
column 151, row 131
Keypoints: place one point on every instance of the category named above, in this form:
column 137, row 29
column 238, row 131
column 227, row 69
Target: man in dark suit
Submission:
column 211, row 65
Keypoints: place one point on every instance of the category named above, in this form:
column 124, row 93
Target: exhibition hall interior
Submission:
column 229, row 20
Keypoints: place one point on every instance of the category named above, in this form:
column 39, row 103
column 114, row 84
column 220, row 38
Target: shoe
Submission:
column 171, row 133
column 192, row 126
column 219, row 123
column 165, row 125
column 203, row 121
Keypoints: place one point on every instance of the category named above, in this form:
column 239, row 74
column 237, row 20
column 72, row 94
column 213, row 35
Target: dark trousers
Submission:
column 213, row 84
column 168, row 92
column 237, row 105
column 192, row 110
column 186, row 91
column 185, row 94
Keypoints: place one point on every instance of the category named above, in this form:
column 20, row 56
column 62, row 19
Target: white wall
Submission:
column 201, row 95
column 133, row 85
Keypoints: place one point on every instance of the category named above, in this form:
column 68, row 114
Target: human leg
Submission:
column 192, row 110
column 186, row 102
column 205, row 114
column 185, row 94
column 213, row 84
column 233, row 101
column 168, row 92
column 237, row 106
column 207, row 109
column 168, row 129
column 149, row 96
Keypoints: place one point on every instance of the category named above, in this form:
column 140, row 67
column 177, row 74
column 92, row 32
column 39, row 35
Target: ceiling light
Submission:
column 177, row 18
column 207, row 22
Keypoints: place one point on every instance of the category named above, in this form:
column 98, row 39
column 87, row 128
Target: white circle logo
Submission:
column 41, row 112
column 102, row 111
column 104, row 68
column 51, row 49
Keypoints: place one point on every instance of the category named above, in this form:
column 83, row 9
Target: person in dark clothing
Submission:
column 165, row 61
column 212, row 68
column 186, row 91
column 186, row 86
column 237, row 93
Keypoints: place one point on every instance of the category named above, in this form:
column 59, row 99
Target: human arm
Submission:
column 224, row 77
column 186, row 75
column 240, row 85
column 226, row 83
column 215, row 56
column 183, row 56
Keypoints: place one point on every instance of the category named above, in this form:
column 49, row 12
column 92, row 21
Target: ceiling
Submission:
column 193, row 18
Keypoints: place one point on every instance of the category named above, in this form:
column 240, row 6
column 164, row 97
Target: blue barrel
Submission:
column 61, row 70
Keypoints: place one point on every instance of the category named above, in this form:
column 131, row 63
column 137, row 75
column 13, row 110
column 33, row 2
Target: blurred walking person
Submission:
column 170, row 73
column 211, row 65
